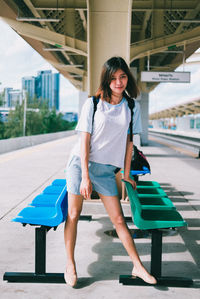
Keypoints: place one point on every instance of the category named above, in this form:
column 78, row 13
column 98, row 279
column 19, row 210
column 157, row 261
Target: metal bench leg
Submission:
column 40, row 274
column 156, row 262
column 156, row 253
column 40, row 251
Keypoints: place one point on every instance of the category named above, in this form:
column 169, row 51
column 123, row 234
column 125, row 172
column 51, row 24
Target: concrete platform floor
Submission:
column 100, row 257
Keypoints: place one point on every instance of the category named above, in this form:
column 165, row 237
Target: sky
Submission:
column 18, row 59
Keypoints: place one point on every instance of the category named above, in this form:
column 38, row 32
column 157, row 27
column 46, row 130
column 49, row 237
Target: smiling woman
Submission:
column 105, row 146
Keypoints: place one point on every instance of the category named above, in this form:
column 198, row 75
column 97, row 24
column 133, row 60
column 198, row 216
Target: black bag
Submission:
column 139, row 161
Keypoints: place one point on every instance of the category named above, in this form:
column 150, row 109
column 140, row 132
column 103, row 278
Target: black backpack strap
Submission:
column 95, row 102
column 131, row 105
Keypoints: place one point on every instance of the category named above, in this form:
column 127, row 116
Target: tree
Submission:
column 39, row 120
column 14, row 124
column 2, row 98
column 2, row 127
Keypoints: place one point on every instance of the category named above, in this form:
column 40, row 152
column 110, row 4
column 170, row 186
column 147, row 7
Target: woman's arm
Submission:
column 127, row 162
column 86, row 185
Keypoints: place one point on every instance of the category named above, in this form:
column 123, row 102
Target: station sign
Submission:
column 174, row 77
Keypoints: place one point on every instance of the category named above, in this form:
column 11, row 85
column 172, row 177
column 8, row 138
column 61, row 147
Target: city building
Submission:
column 15, row 97
column 28, row 83
column 70, row 116
column 47, row 87
column 12, row 97
column 7, row 96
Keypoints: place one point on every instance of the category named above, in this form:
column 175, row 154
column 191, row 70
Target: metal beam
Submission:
column 143, row 5
column 185, row 21
column 80, row 4
column 47, row 36
column 27, row 19
column 34, row 11
column 83, row 18
column 157, row 18
column 190, row 15
column 153, row 46
column 174, row 5
column 37, row 14
column 68, row 67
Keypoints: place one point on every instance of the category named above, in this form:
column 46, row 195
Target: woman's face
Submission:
column 118, row 82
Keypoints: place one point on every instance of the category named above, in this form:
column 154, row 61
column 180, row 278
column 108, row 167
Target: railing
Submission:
column 190, row 141
column 12, row 144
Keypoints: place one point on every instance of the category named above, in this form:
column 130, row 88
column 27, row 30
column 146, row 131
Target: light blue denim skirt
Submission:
column 102, row 177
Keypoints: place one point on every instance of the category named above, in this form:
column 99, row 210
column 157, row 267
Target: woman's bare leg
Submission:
column 113, row 207
column 75, row 203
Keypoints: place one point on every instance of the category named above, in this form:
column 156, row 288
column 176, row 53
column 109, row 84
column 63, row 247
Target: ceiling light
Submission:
column 37, row 20
column 185, row 21
column 54, row 49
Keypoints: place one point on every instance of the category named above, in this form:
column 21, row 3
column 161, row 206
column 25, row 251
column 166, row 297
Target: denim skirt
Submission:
column 102, row 177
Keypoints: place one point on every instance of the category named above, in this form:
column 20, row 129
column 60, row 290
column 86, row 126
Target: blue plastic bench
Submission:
column 140, row 172
column 46, row 211
column 50, row 214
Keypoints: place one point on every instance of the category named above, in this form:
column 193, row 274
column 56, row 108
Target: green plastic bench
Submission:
column 147, row 184
column 148, row 200
column 154, row 220
column 151, row 192
column 155, row 203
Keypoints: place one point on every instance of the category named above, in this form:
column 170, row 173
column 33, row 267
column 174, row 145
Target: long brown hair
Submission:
column 109, row 68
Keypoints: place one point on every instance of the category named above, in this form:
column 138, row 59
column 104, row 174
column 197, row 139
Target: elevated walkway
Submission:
column 100, row 255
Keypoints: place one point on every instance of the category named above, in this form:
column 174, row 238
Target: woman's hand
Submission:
column 133, row 183
column 86, row 188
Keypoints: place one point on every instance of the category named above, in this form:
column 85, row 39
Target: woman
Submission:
column 104, row 146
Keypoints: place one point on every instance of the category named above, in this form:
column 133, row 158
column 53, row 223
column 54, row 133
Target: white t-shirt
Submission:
column 108, row 131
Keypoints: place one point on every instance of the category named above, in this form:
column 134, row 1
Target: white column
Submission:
column 144, row 104
column 109, row 25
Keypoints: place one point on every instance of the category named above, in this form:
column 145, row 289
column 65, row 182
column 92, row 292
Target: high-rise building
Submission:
column 7, row 96
column 12, row 97
column 15, row 97
column 47, row 87
column 55, row 91
column 28, row 83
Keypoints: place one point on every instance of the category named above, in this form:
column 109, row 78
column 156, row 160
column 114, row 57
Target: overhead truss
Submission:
column 152, row 32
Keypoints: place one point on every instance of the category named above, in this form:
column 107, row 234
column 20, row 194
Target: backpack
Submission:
column 131, row 105
column 139, row 161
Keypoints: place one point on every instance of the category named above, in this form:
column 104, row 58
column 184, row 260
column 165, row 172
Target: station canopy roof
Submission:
column 167, row 31
column 186, row 108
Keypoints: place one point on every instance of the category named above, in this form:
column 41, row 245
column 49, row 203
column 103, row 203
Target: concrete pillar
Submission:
column 109, row 29
column 144, row 105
